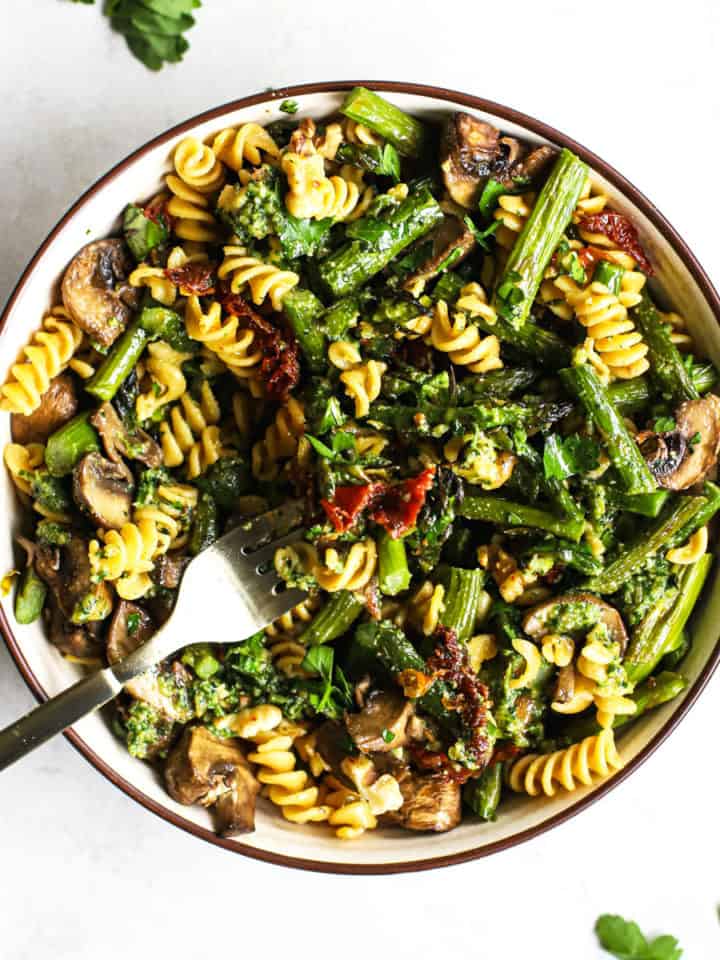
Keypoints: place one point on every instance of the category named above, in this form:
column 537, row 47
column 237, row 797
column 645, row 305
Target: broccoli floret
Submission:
column 147, row 730
column 643, row 591
column 54, row 534
column 254, row 211
column 226, row 480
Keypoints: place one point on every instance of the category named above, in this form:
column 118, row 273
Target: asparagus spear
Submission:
column 30, row 596
column 404, row 132
column 652, row 693
column 483, row 794
column 622, row 449
column 393, row 572
column 666, row 364
column 610, row 275
column 346, row 270
column 711, row 495
column 205, row 525
column 650, row 643
column 507, row 514
column 678, row 518
column 631, row 395
column 462, row 597
column 339, row 613
column 497, row 383
column 119, row 363
column 69, row 443
column 540, row 236
column 303, row 310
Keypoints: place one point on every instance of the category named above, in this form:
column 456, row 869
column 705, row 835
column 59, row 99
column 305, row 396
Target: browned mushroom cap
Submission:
column 129, row 628
column 452, row 242
column 534, row 164
column 575, row 612
column 95, row 291
column 169, row 570
column 76, row 640
column 66, row 570
column 470, row 147
column 430, row 802
column 59, row 404
column 380, row 725
column 565, row 684
column 203, row 769
column 698, row 423
column 103, row 490
column 120, row 442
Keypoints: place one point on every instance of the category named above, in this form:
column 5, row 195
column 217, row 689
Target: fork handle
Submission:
column 56, row 714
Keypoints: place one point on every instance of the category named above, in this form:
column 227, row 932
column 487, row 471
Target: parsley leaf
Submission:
column 481, row 236
column 341, row 441
column 301, row 238
column 625, row 940
column 664, row 425
column 566, row 457
column 289, row 106
column 331, row 694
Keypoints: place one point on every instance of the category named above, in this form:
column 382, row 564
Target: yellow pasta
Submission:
column 126, row 557
column 344, row 354
column 49, row 353
column 280, row 441
column 197, row 166
column 22, row 460
column 356, row 811
column 161, row 288
column 186, row 422
column 171, row 513
column 481, row 647
column 558, row 649
column 191, row 210
column 569, row 768
column 362, row 384
column 351, row 572
column 164, row 364
column 315, row 196
column 247, row 143
column 464, row 343
column 263, row 279
column 533, row 660
column 691, row 551
column 234, row 346
column 426, row 606
column 512, row 212
column 287, row 653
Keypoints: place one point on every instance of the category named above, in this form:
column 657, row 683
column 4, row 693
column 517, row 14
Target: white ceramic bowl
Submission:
column 95, row 215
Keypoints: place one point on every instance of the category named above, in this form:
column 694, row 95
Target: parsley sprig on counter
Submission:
column 625, row 940
column 153, row 29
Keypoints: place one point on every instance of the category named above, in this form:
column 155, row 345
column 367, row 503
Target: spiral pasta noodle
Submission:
column 557, row 649
column 314, row 196
column 247, row 143
column 512, row 213
column 235, row 347
column 599, row 664
column 356, row 811
column 351, row 572
column 613, row 335
column 286, row 652
column 161, row 288
column 280, row 441
column 168, row 381
column 426, row 606
column 361, row 135
column 191, row 210
column 51, row 350
column 21, row 460
column 291, row 789
column 463, row 343
column 362, row 384
column 569, row 768
column 344, row 354
column 263, row 279
column 533, row 660
column 190, row 434
column 691, row 551
column 197, row 166
column 126, row 557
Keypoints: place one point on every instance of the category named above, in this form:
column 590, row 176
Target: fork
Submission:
column 228, row 592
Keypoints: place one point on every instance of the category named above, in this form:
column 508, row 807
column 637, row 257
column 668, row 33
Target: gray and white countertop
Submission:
column 87, row 873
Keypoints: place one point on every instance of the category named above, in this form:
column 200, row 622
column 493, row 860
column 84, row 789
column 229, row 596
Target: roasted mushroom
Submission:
column 169, row 570
column 469, row 154
column 103, row 490
column 203, row 769
column 81, row 641
column 58, row 404
column 573, row 612
column 684, row 456
column 95, row 290
column 430, row 802
column 380, row 725
column 533, row 165
column 66, row 570
column 129, row 628
column 120, row 442
column 452, row 242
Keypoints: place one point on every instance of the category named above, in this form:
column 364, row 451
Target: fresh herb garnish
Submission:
column 481, row 236
column 133, row 622
column 664, row 425
column 565, row 457
column 625, row 940
column 153, row 29
column 388, row 736
column 289, row 106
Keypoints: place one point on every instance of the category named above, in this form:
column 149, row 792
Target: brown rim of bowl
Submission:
column 660, row 224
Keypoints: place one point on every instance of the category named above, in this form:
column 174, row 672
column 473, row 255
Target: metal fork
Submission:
column 228, row 592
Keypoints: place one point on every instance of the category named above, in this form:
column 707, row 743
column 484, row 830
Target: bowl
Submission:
column 95, row 215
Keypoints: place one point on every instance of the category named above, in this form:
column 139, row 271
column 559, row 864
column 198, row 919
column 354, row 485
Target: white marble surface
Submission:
column 84, row 872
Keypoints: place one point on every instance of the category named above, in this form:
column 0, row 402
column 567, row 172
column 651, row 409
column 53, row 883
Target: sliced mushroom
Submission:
column 74, row 640
column 452, row 242
column 95, row 291
column 565, row 684
column 469, row 153
column 120, row 442
column 129, row 628
column 381, row 725
column 573, row 612
column 692, row 447
column 59, row 403
column 103, row 490
column 204, row 769
column 66, row 570
column 534, row 164
column 169, row 570
column 430, row 802
column 334, row 745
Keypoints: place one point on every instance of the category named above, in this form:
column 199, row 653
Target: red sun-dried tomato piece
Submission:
column 156, row 210
column 400, row 505
column 620, row 229
column 348, row 503
column 197, row 278
column 280, row 369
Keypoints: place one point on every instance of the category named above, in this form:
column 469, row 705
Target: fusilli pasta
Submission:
column 535, row 773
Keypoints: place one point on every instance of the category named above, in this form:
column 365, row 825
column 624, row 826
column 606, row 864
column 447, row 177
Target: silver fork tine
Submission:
column 265, row 554
column 283, row 602
column 260, row 529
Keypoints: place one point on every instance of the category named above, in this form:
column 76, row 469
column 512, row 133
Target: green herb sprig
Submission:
column 625, row 940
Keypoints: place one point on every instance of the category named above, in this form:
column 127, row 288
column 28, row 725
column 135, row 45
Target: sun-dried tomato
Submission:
column 348, row 503
column 156, row 210
column 589, row 256
column 398, row 508
column 506, row 751
column 618, row 228
column 193, row 278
